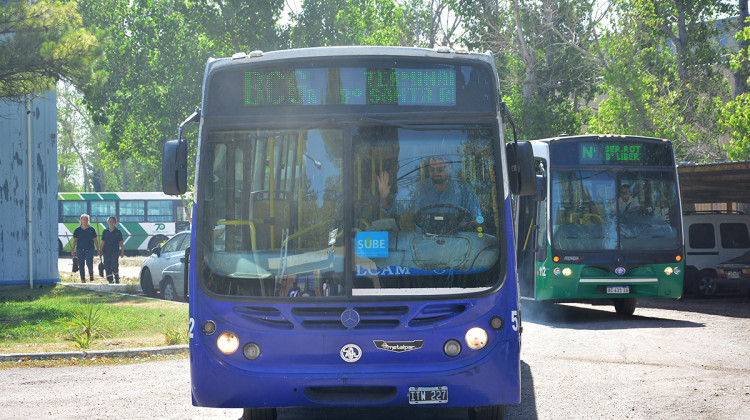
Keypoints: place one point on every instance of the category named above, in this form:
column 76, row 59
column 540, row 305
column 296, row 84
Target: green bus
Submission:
column 605, row 225
column 146, row 219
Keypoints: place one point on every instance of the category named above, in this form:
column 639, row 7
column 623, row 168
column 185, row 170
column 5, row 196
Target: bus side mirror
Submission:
column 522, row 176
column 174, row 167
column 541, row 189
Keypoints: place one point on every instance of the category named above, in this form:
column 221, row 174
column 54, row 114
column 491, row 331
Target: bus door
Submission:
column 532, row 237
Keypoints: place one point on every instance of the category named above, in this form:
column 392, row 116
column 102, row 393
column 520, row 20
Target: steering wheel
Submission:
column 441, row 222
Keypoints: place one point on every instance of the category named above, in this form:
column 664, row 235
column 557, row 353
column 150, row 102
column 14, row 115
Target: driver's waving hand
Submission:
column 440, row 189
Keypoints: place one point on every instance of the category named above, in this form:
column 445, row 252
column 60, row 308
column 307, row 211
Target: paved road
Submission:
column 672, row 360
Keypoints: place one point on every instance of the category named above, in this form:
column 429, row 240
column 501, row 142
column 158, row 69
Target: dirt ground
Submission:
column 671, row 360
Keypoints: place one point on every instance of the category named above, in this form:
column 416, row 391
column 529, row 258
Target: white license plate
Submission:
column 618, row 290
column 428, row 394
column 733, row 274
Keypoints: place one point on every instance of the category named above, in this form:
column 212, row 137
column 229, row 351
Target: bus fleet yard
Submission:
column 671, row 360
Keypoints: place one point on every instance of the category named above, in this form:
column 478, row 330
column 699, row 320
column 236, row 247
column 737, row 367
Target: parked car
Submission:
column 162, row 257
column 172, row 284
column 710, row 238
column 733, row 274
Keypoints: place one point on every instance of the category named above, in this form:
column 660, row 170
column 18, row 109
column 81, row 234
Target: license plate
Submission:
column 428, row 395
column 733, row 274
column 618, row 290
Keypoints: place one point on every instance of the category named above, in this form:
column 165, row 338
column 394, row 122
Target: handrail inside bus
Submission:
column 242, row 223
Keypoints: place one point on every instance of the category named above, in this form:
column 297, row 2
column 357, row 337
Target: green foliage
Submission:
column 88, row 324
column 29, row 319
column 546, row 79
column 174, row 336
column 156, row 52
column 40, row 42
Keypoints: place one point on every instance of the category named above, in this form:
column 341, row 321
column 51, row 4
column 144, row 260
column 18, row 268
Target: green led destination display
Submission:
column 633, row 152
column 350, row 86
column 609, row 152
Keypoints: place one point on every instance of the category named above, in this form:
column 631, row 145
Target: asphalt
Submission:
column 126, row 289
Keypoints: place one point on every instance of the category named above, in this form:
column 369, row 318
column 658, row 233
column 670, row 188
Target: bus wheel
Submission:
column 146, row 284
column 59, row 248
column 625, row 307
column 259, row 414
column 490, row 412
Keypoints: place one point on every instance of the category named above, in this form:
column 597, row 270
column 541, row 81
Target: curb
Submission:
column 145, row 351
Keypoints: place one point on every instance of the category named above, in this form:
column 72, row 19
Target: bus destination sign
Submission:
column 350, row 86
column 610, row 152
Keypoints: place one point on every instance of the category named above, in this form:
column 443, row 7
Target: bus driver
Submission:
column 439, row 189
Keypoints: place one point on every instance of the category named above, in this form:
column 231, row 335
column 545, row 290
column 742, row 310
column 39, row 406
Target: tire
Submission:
column 490, row 412
column 168, row 291
column 707, row 283
column 259, row 414
column 59, row 248
column 625, row 306
column 146, row 284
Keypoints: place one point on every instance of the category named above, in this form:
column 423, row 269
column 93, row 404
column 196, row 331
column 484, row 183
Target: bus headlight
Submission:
column 567, row 271
column 452, row 348
column 668, row 271
column 251, row 351
column 227, row 342
column 476, row 338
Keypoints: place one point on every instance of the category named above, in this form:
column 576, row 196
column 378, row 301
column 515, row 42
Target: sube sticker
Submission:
column 371, row 244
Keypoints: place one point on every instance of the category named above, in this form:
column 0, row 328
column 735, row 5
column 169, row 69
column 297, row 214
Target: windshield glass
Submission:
column 610, row 209
column 425, row 208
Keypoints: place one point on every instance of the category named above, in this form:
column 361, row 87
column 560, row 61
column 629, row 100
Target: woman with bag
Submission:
column 112, row 248
column 85, row 244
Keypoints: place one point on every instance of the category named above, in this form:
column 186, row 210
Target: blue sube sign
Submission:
column 371, row 244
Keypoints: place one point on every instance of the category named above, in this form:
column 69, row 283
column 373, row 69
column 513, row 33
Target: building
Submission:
column 28, row 191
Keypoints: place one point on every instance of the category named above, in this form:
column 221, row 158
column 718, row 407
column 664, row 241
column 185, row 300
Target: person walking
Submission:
column 85, row 245
column 112, row 248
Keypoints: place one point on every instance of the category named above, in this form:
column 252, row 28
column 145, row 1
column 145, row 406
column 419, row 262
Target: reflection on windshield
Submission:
column 425, row 205
column 593, row 210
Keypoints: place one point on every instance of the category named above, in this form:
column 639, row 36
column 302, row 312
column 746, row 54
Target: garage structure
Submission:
column 722, row 186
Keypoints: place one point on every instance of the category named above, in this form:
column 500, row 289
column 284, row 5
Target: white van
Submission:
column 712, row 238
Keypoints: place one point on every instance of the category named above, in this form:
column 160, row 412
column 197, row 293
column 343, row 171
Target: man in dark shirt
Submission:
column 85, row 244
column 112, row 248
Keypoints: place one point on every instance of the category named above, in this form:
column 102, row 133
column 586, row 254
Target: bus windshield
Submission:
column 614, row 210
column 426, row 212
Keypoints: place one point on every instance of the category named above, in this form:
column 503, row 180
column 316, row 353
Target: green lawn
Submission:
column 32, row 321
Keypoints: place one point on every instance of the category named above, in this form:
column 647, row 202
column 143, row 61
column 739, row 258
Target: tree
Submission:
column 373, row 22
column 41, row 42
column 156, row 52
column 662, row 74
column 736, row 113
column 545, row 69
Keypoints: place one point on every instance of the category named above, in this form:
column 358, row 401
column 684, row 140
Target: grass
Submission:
column 34, row 320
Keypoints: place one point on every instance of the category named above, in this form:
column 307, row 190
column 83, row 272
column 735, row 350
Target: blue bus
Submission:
column 352, row 242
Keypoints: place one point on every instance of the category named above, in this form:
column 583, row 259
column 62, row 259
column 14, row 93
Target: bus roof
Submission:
column 589, row 137
column 348, row 51
column 115, row 196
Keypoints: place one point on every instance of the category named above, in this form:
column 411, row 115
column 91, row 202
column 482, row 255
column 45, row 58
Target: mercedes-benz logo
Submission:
column 351, row 353
column 350, row 318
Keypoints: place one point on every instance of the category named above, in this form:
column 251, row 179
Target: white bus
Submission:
column 146, row 219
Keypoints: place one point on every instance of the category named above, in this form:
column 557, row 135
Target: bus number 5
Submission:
column 514, row 320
